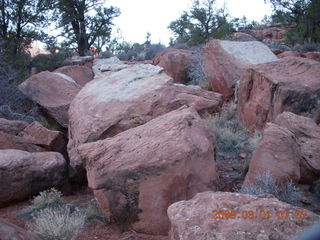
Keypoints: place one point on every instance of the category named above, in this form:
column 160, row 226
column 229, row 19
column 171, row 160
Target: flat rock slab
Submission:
column 117, row 101
column 24, row 174
column 137, row 174
column 198, row 219
column 107, row 65
column 53, row 91
column 225, row 62
column 289, row 150
column 291, row 84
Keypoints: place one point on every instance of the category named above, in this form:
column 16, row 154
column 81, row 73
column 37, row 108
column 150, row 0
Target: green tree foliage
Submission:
column 304, row 15
column 86, row 23
column 201, row 23
column 21, row 22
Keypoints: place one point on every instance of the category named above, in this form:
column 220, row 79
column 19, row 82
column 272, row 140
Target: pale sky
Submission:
column 141, row 16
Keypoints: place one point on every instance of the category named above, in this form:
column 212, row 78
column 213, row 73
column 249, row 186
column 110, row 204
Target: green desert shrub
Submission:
column 50, row 62
column 58, row 223
column 229, row 133
column 266, row 184
column 47, row 198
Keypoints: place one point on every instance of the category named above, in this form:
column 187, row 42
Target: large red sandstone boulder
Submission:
column 225, row 61
column 289, row 150
column 177, row 63
column 10, row 231
column 80, row 74
column 31, row 137
column 198, row 218
column 136, row 94
column 24, row 174
column 137, row 174
column 53, row 92
column 290, row 84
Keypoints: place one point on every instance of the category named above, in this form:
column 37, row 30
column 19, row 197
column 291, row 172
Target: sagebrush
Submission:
column 59, row 223
column 266, row 183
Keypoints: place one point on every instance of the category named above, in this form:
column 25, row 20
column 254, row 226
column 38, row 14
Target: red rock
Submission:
column 243, row 37
column 225, row 61
column 276, row 51
column 290, row 84
column 80, row 74
column 289, row 150
column 24, row 174
column 36, row 134
column 272, row 34
column 10, row 231
column 30, row 137
column 176, row 63
column 8, row 141
column 312, row 55
column 53, row 92
column 289, row 54
column 193, row 219
column 12, row 127
column 82, row 61
column 136, row 94
column 137, row 174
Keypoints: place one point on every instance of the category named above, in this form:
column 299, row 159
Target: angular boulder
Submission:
column 24, row 174
column 289, row 150
column 254, row 217
column 137, row 174
column 53, row 92
column 80, row 74
column 290, row 84
column 177, row 63
column 9, row 231
column 225, row 61
column 117, row 101
column 31, row 137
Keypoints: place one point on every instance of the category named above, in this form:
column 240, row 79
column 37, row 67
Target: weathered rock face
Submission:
column 176, row 63
column 80, row 74
column 272, row 34
column 23, row 174
column 53, row 91
column 242, row 37
column 195, row 219
column 289, row 150
column 225, row 62
column 136, row 95
column 107, row 65
column 312, row 55
column 30, row 137
column 9, row 231
column 137, row 174
column 266, row 90
column 289, row 54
